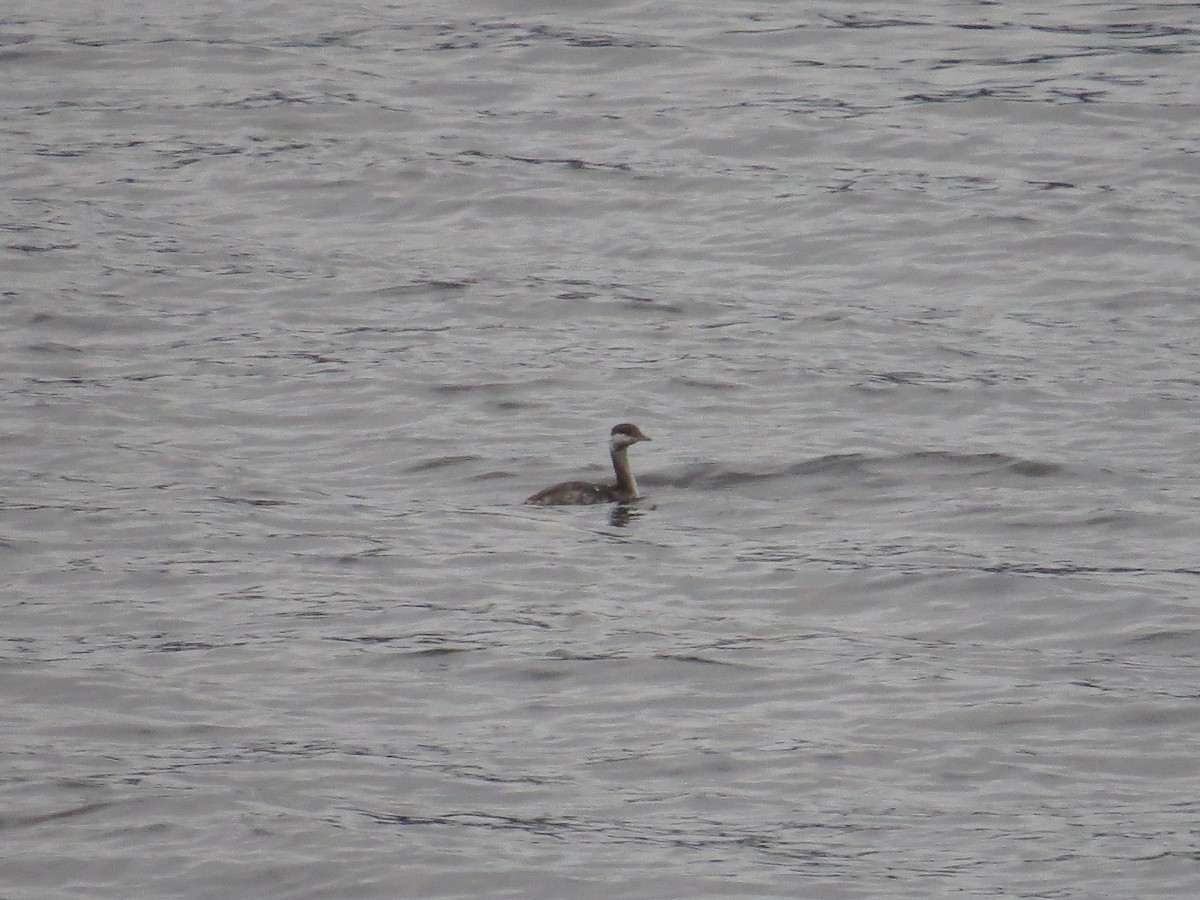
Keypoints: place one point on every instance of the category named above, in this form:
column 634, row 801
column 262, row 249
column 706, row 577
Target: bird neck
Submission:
column 626, row 483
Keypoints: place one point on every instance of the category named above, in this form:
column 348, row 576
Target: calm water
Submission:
column 299, row 302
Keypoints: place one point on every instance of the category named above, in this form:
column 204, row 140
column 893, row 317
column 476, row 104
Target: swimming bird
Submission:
column 620, row 439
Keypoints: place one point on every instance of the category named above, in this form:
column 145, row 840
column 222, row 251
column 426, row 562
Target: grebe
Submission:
column 581, row 492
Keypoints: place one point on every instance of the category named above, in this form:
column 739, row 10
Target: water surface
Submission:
column 300, row 302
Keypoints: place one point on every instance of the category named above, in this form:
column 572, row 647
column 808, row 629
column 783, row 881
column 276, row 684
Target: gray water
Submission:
column 299, row 301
